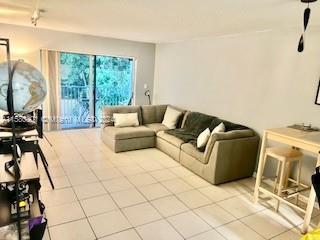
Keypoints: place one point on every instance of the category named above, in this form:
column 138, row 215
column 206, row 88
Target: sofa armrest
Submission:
column 233, row 158
column 231, row 135
column 107, row 113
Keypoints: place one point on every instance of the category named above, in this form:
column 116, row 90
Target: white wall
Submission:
column 256, row 79
column 26, row 43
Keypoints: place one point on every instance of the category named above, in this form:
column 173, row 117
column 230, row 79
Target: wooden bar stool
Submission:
column 285, row 157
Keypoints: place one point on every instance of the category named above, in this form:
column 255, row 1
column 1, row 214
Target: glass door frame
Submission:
column 93, row 56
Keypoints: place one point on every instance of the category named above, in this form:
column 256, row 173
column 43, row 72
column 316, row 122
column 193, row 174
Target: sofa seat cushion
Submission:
column 170, row 139
column 157, row 127
column 128, row 132
column 190, row 149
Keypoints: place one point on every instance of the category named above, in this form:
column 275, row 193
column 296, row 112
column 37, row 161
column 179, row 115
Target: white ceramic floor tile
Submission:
column 193, row 199
column 117, row 184
column 109, row 223
column 78, row 230
column 141, row 214
column 128, row 198
column 181, row 171
column 196, row 181
column 131, row 170
column 238, row 231
column 141, row 179
column 169, row 206
column 87, row 150
column 293, row 234
column 76, row 168
column 107, row 173
column 210, row 235
column 125, row 235
column 177, row 185
column 154, row 191
column 160, row 230
column 82, row 178
column 95, row 165
column 71, row 159
column 240, row 206
column 151, row 166
column 167, row 162
column 163, row 175
column 235, row 188
column 54, row 172
column 215, row 193
column 80, row 159
column 97, row 205
column 89, row 190
column 59, row 182
column 286, row 216
column 64, row 213
column 264, row 225
column 57, row 197
column 214, row 215
column 188, row 224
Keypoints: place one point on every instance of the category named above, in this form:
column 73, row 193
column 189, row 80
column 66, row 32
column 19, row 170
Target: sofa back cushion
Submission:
column 107, row 113
column 153, row 113
column 180, row 120
column 171, row 118
column 197, row 122
column 230, row 126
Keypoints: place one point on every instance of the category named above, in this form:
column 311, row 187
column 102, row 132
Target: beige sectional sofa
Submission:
column 228, row 156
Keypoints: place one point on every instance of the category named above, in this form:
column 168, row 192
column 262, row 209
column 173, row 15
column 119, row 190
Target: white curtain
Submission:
column 50, row 64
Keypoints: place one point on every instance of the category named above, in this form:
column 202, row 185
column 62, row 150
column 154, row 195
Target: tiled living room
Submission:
column 145, row 194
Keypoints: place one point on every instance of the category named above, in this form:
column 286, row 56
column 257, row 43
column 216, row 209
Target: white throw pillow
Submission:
column 203, row 138
column 126, row 119
column 220, row 128
column 171, row 118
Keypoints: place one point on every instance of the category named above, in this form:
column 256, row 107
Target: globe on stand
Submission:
column 29, row 87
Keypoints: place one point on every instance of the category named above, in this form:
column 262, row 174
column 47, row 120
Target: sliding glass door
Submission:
column 114, row 82
column 88, row 83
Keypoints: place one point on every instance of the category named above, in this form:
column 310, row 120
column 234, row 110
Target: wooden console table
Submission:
column 309, row 141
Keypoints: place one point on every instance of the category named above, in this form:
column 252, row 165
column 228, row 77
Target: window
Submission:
column 88, row 83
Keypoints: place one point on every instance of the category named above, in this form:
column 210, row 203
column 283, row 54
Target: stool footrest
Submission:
column 292, row 192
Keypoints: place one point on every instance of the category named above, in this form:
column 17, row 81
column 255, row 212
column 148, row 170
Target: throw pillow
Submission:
column 126, row 119
column 220, row 128
column 203, row 138
column 171, row 118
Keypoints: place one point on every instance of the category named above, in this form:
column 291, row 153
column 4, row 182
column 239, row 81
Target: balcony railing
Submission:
column 75, row 108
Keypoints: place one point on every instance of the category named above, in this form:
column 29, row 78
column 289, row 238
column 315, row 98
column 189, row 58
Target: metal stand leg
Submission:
column 43, row 158
column 45, row 163
column 47, row 140
column 35, row 155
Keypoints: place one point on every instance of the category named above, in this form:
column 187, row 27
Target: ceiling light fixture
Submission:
column 306, row 17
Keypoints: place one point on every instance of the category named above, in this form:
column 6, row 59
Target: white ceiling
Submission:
column 162, row 20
